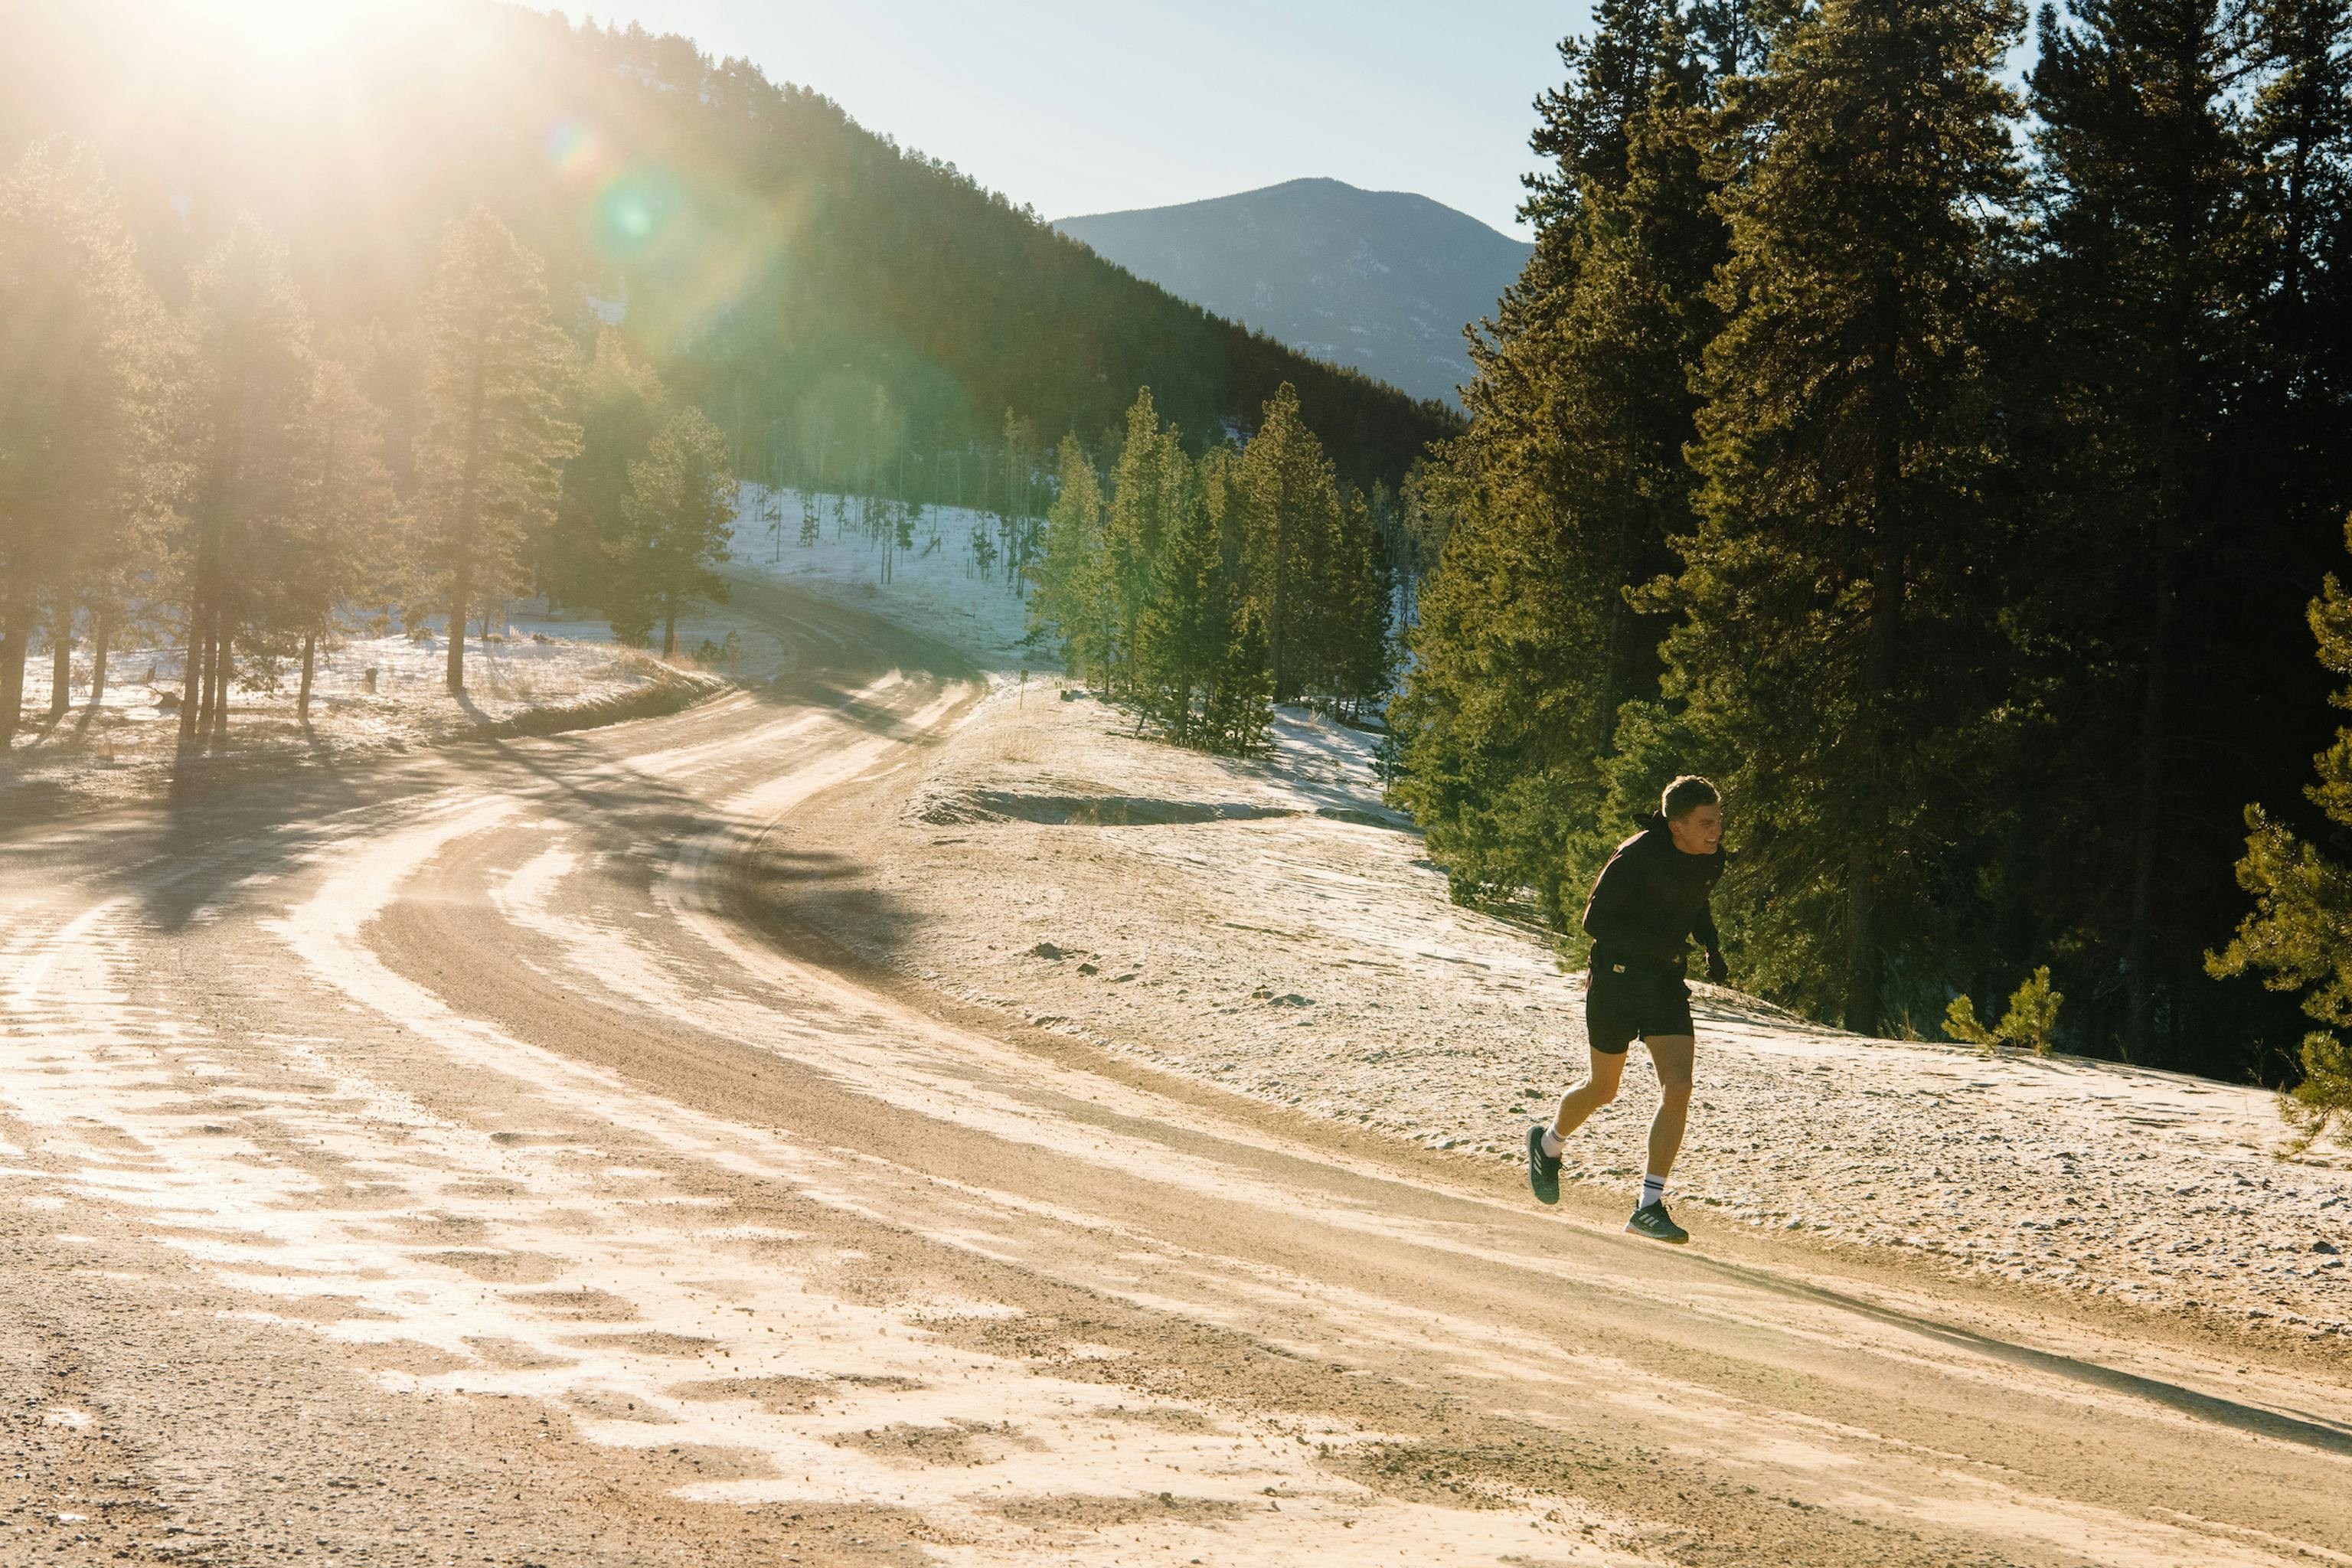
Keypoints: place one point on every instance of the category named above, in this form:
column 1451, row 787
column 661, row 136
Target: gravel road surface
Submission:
column 470, row 1160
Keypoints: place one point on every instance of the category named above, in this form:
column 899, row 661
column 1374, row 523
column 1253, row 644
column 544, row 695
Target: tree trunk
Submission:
column 1281, row 591
column 191, row 664
column 14, row 646
column 461, row 588
column 2139, row 983
column 223, row 673
column 208, row 681
column 460, row 592
column 102, row 633
column 309, row 660
column 669, row 635
column 61, row 659
column 1864, row 855
column 1616, row 653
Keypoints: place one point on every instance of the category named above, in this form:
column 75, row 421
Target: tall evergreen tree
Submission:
column 1825, row 652
column 621, row 405
column 681, row 515
column 1359, row 586
column 498, row 375
column 249, row 386
column 1070, row 589
column 1291, row 504
column 1570, row 482
column 1144, row 491
column 1189, row 625
column 342, row 541
column 79, row 342
column 2143, row 299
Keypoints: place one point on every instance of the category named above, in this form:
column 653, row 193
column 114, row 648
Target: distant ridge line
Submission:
column 1379, row 281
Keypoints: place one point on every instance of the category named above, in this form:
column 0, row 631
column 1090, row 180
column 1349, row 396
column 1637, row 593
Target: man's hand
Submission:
column 1588, row 979
column 1717, row 971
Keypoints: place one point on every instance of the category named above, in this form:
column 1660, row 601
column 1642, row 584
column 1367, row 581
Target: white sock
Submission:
column 1653, row 1190
column 1553, row 1144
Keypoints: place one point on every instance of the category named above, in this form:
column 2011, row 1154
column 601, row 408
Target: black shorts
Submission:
column 1626, row 1005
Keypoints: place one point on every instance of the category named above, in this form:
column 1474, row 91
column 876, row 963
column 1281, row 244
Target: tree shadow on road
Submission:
column 225, row 823
column 2318, row 1432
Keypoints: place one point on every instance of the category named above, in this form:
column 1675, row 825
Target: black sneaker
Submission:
column 1543, row 1170
column 1652, row 1221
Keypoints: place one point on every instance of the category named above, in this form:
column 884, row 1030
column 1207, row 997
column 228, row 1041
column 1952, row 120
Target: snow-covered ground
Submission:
column 370, row 695
column 566, row 666
column 1268, row 924
column 935, row 588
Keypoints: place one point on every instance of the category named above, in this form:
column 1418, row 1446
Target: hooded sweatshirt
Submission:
column 1650, row 900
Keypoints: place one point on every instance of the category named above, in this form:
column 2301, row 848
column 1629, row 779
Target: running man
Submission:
column 1650, row 900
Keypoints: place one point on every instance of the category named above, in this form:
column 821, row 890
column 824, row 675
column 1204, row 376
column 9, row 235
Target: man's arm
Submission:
column 1717, row 971
column 1607, row 913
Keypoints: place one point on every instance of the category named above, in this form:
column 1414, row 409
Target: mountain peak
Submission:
column 1381, row 280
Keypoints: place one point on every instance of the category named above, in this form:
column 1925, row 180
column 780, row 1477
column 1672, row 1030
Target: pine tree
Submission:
column 1135, row 522
column 2299, row 937
column 2142, row 295
column 680, row 513
column 1570, row 482
column 1188, row 624
column 342, row 541
column 80, row 349
column 1238, row 705
column 1291, row 507
column 621, row 405
column 1070, row 594
column 497, row 377
column 1361, row 588
column 2301, row 132
column 249, row 384
column 1826, row 649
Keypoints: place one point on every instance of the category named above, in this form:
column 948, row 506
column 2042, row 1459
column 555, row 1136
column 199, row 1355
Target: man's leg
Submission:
column 1598, row 1089
column 1672, row 1055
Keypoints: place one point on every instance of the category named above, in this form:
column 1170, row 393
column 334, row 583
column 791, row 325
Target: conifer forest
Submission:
column 590, row 280
column 1932, row 429
column 1927, row 420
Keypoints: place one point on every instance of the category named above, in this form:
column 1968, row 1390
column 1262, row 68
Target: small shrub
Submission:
column 2032, row 1018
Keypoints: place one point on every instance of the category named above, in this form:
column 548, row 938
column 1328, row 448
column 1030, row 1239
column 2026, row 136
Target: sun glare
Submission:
column 279, row 37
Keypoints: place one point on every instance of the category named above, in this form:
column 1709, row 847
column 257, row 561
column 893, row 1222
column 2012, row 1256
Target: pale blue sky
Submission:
column 1083, row 106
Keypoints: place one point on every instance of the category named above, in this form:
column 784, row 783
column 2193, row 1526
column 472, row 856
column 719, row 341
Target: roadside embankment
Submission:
column 1266, row 925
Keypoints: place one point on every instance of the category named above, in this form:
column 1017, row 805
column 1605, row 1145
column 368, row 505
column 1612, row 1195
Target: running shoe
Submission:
column 1543, row 1170
column 1651, row 1222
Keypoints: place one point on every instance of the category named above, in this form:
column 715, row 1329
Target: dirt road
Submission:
column 455, row 1162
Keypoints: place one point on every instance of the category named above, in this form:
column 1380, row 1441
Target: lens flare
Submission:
column 634, row 208
column 575, row 150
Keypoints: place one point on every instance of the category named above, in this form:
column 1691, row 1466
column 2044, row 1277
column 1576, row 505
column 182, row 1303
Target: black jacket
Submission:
column 1650, row 899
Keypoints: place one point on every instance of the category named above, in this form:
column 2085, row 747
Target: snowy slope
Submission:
column 935, row 588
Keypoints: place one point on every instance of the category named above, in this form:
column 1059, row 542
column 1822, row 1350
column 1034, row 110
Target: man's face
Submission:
column 1698, row 830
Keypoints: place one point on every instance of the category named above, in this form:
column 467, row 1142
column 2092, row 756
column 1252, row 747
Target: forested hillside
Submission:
column 1947, row 469
column 836, row 302
column 469, row 303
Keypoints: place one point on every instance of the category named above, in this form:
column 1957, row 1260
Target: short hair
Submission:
column 1684, row 795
